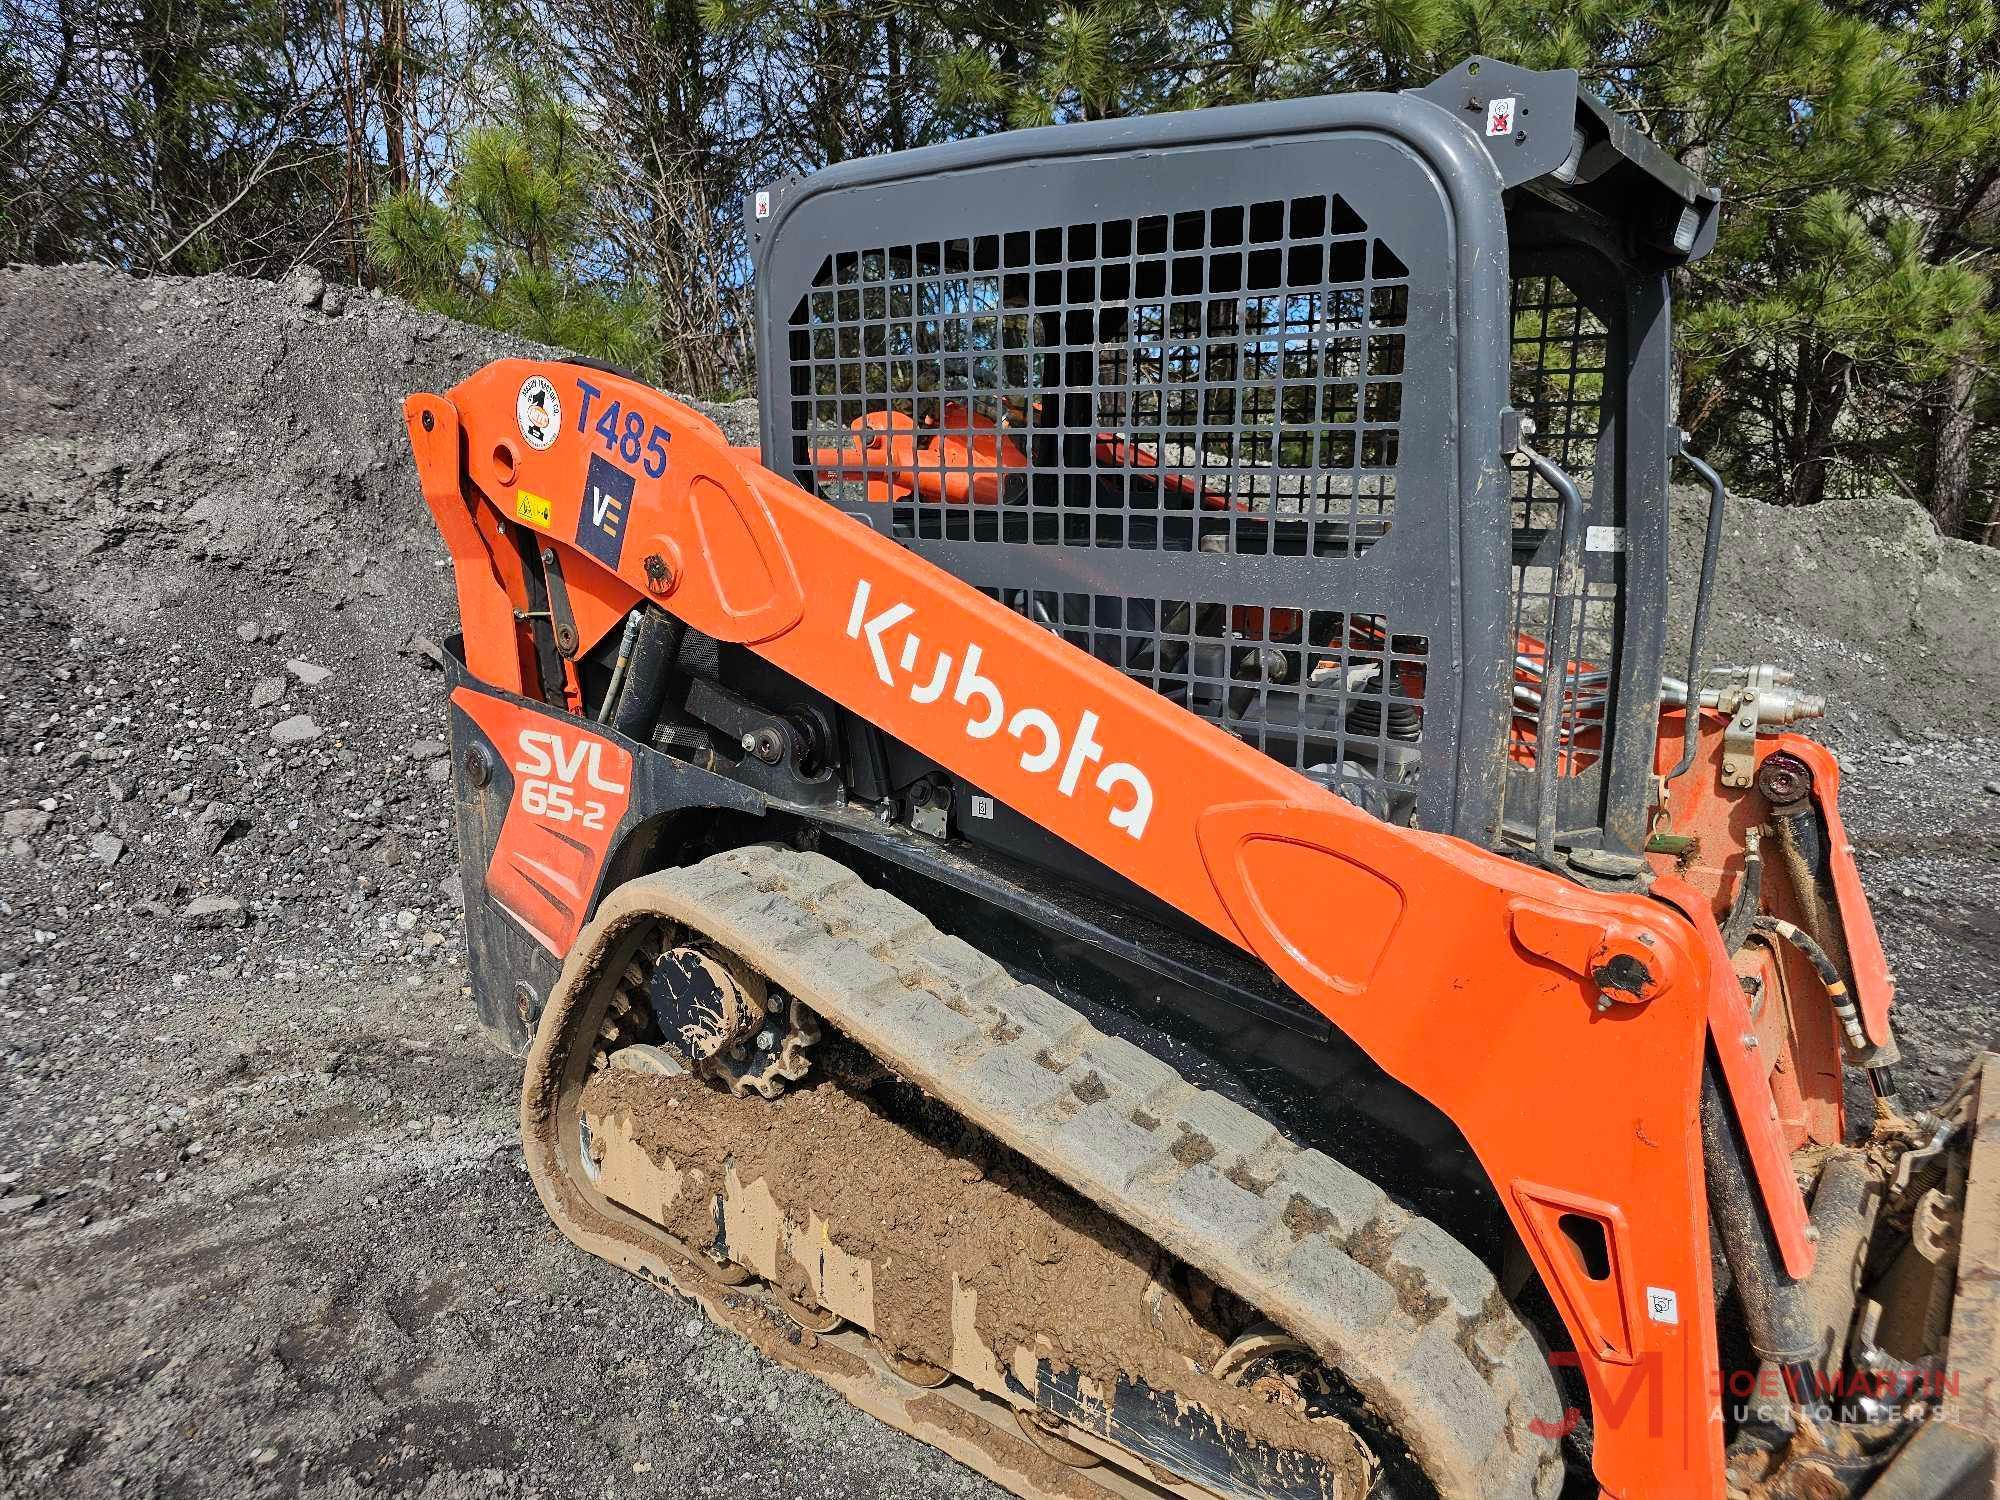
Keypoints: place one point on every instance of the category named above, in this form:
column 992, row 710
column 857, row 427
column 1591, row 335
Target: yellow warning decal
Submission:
column 531, row 508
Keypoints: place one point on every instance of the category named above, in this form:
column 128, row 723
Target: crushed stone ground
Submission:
column 264, row 1227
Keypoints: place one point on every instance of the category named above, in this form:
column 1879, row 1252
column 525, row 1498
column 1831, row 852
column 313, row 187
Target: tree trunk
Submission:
column 1822, row 391
column 389, row 90
column 1951, row 449
column 163, row 57
column 899, row 128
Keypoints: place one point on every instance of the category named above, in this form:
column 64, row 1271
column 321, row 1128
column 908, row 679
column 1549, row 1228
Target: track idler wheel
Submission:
column 1269, row 1363
column 721, row 1272
column 917, row 1372
column 809, row 1318
column 1039, row 1430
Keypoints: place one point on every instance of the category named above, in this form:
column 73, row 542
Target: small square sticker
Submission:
column 1604, row 539
column 763, row 203
column 607, row 505
column 1662, row 1305
column 982, row 807
column 1500, row 116
column 532, row 508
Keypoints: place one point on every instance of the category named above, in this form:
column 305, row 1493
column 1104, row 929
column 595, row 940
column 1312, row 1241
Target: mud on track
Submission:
column 932, row 1204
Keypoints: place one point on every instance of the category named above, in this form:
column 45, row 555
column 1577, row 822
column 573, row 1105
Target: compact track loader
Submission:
column 1142, row 888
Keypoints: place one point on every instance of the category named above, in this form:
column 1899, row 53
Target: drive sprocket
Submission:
column 724, row 1017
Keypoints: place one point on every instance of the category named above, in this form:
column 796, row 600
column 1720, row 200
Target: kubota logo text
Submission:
column 557, row 777
column 1044, row 748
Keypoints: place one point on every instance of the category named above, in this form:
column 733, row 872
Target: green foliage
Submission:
column 1857, row 147
column 513, row 241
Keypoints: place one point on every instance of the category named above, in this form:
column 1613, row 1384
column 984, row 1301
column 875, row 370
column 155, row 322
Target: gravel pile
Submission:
column 263, row 1225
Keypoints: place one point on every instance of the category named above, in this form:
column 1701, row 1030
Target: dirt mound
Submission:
column 224, row 558
column 1897, row 625
column 253, row 1141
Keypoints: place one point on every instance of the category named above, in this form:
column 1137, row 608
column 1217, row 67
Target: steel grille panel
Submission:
column 1169, row 375
column 1564, row 379
column 1227, row 378
column 1335, row 694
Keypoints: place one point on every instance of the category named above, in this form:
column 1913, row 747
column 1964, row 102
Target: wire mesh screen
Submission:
column 1230, row 373
column 1335, row 694
column 1563, row 372
column 1219, row 381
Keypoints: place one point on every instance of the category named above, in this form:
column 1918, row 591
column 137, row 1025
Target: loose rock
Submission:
column 213, row 911
column 299, row 729
column 24, row 822
column 306, row 285
column 213, row 827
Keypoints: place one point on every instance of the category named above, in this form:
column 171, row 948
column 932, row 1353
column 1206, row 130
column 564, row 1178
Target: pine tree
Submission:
column 511, row 244
column 1814, row 339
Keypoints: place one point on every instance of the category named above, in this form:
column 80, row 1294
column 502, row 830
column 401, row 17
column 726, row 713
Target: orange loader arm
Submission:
column 1562, row 1030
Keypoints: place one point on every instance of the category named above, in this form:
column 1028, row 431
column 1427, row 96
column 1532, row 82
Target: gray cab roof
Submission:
column 1562, row 143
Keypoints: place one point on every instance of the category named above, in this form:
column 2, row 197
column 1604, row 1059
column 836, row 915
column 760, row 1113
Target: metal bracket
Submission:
column 1565, row 597
column 1711, row 549
column 559, row 611
column 1759, row 700
column 932, row 815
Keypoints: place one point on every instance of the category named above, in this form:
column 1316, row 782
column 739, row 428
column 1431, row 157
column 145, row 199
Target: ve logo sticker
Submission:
column 607, row 506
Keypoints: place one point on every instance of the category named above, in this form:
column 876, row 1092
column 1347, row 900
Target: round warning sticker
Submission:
column 539, row 411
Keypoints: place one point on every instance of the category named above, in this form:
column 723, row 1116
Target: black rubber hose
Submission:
column 1803, row 854
column 655, row 644
column 1829, row 976
column 1743, row 912
column 1774, row 1305
column 1883, row 1082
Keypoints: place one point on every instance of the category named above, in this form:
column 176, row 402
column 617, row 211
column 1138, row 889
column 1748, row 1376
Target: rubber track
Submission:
column 1410, row 1316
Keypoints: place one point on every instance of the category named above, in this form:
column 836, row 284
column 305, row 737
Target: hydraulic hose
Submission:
column 1829, row 976
column 655, row 643
column 1743, row 911
column 620, row 667
column 1881, row 1079
column 1802, row 853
